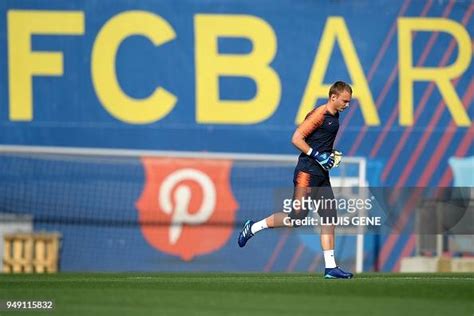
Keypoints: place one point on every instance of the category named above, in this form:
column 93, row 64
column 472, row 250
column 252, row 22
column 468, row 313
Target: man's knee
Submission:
column 296, row 216
column 327, row 229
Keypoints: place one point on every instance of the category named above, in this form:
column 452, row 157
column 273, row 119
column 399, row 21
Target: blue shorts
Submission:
column 317, row 187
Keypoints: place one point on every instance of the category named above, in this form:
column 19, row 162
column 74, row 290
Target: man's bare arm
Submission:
column 298, row 140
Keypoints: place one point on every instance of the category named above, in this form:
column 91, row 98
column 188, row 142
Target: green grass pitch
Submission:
column 243, row 294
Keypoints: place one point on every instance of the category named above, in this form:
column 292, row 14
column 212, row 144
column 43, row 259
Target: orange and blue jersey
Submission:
column 319, row 129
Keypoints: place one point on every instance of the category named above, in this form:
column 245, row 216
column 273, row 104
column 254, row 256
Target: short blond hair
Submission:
column 338, row 87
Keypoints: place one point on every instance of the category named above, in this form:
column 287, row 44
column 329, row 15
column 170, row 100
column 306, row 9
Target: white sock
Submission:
column 329, row 259
column 258, row 226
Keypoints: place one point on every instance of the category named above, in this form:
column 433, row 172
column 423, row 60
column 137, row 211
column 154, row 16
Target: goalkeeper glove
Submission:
column 326, row 160
column 337, row 155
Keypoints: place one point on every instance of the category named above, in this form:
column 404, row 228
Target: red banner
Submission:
column 187, row 207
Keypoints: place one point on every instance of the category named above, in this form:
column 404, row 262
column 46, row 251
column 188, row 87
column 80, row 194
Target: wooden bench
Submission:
column 31, row 252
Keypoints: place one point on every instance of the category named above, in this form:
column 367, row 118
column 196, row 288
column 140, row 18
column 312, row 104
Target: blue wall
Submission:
column 67, row 110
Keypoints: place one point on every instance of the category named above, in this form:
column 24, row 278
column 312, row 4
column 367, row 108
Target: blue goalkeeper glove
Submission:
column 326, row 160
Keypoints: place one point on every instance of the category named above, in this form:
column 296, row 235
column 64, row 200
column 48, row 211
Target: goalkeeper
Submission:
column 315, row 139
